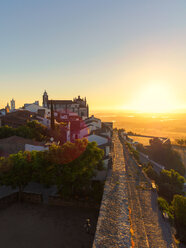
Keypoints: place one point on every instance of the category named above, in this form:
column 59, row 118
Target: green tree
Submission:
column 39, row 131
column 141, row 148
column 163, row 204
column 181, row 142
column 24, row 132
column 151, row 173
column 165, row 155
column 172, row 177
column 43, row 168
column 165, row 207
column 16, row 171
column 77, row 166
column 179, row 206
column 32, row 130
column 170, row 183
column 6, row 132
column 70, row 167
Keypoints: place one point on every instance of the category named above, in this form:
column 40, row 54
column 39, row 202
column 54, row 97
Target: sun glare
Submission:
column 154, row 98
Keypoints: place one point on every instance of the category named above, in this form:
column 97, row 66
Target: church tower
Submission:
column 12, row 104
column 7, row 108
column 45, row 100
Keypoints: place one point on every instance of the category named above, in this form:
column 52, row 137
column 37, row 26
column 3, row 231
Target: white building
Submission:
column 93, row 123
column 34, row 108
column 2, row 112
column 27, row 104
column 30, row 148
column 103, row 143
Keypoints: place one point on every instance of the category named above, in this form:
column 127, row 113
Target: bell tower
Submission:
column 12, row 103
column 45, row 100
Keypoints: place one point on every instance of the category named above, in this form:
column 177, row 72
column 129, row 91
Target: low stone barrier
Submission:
column 32, row 197
column 6, row 200
column 54, row 200
column 57, row 201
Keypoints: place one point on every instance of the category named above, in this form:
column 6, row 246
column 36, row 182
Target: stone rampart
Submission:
column 113, row 227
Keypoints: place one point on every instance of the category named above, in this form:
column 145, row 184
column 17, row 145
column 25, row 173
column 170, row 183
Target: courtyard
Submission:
column 26, row 225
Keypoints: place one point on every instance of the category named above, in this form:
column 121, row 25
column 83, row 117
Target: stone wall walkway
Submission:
column 113, row 228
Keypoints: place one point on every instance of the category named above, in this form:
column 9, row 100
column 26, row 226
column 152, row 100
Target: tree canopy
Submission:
column 75, row 164
column 181, row 142
column 70, row 167
column 170, row 183
column 179, row 206
column 16, row 170
column 165, row 155
column 31, row 130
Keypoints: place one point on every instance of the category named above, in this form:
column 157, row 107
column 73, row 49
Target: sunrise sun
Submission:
column 155, row 97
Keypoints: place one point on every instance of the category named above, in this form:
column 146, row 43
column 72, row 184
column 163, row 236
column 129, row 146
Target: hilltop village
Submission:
column 70, row 119
column 94, row 175
column 58, row 156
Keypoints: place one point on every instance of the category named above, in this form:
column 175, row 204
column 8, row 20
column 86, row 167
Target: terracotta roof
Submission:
column 61, row 101
column 99, row 132
column 109, row 143
column 90, row 121
column 92, row 118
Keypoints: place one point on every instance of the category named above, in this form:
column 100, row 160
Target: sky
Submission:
column 120, row 54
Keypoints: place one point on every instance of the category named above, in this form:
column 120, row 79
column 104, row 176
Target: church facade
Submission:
column 77, row 106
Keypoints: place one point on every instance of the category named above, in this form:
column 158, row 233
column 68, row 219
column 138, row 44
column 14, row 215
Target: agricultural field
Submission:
column 142, row 140
column 172, row 126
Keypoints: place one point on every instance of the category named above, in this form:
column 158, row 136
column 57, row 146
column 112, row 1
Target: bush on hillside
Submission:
column 179, row 206
column 31, row 130
column 165, row 155
column 165, row 207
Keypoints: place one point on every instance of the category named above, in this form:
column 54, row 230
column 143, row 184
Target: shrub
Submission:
column 151, row 173
column 170, row 184
column 163, row 204
column 179, row 206
column 165, row 207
